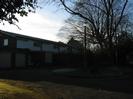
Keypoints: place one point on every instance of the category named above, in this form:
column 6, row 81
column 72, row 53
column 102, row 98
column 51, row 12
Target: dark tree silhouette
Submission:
column 103, row 17
column 9, row 9
column 106, row 20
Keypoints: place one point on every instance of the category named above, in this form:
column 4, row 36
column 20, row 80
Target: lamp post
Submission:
column 116, row 51
column 85, row 54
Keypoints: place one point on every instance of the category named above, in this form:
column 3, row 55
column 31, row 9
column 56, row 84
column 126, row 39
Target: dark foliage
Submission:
column 68, row 60
column 9, row 9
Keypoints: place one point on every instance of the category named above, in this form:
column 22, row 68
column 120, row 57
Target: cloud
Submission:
column 36, row 25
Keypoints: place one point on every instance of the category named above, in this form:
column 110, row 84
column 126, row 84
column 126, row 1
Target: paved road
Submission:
column 120, row 84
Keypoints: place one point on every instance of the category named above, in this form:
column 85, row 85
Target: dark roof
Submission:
column 14, row 35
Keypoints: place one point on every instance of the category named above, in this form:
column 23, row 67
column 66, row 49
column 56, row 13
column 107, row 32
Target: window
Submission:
column 56, row 47
column 5, row 42
column 37, row 44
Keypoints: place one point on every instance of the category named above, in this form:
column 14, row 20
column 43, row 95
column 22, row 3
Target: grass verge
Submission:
column 11, row 89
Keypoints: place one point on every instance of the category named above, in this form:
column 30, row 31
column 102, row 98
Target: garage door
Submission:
column 48, row 58
column 20, row 60
column 5, row 59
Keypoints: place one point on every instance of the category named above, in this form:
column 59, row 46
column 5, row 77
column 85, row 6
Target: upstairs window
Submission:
column 37, row 44
column 5, row 42
column 56, row 47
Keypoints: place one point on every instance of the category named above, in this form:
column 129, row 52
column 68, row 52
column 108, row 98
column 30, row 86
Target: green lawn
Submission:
column 11, row 89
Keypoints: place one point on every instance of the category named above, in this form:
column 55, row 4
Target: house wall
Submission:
column 63, row 49
column 29, row 61
column 49, row 48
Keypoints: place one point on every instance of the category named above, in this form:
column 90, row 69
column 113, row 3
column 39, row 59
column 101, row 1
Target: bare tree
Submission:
column 104, row 18
column 74, row 28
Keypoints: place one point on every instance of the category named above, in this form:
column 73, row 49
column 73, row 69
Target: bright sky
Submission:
column 45, row 23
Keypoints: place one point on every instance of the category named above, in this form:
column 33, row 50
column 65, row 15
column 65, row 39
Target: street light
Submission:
column 85, row 54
